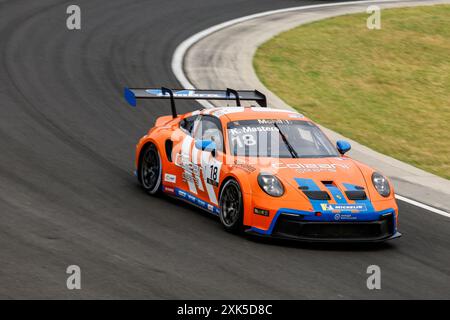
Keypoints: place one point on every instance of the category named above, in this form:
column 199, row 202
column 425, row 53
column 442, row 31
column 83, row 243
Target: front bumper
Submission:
column 300, row 228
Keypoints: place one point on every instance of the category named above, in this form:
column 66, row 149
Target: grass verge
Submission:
column 388, row 89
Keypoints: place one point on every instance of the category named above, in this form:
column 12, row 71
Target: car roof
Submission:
column 250, row 113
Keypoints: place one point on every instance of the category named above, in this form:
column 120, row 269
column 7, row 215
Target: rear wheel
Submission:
column 231, row 206
column 150, row 169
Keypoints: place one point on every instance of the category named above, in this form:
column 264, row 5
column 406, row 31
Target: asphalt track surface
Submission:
column 68, row 196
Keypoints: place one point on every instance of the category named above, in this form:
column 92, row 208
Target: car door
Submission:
column 209, row 128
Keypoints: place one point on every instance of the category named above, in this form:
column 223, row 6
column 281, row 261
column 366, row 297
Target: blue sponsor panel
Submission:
column 196, row 201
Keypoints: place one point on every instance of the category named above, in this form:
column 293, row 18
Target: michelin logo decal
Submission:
column 343, row 207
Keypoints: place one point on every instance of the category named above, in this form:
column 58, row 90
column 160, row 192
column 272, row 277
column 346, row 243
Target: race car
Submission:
column 264, row 171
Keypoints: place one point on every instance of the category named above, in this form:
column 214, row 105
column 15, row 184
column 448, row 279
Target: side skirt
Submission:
column 178, row 193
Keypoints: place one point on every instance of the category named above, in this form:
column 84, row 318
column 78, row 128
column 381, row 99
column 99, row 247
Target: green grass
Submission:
column 388, row 89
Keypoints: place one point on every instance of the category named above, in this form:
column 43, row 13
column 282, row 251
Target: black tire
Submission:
column 231, row 206
column 150, row 169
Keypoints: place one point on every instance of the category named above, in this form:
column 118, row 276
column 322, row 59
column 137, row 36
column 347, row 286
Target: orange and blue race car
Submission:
column 268, row 172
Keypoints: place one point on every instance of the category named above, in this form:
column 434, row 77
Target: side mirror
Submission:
column 343, row 146
column 206, row 145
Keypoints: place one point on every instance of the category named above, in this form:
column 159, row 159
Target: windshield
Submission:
column 278, row 139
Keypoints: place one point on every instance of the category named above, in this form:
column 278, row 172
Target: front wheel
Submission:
column 231, row 206
column 150, row 169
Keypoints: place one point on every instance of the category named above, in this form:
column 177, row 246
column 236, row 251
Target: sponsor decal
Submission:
column 223, row 111
column 168, row 189
column 212, row 182
column 187, row 177
column 348, row 217
column 184, row 93
column 341, row 216
column 197, row 201
column 191, row 171
column 273, row 121
column 170, row 178
column 311, row 167
column 251, row 129
column 244, row 166
column 343, row 207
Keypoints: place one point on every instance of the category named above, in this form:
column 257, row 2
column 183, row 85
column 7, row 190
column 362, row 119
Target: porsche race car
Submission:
column 268, row 172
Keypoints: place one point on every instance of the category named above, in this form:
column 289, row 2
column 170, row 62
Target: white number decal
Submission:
column 246, row 139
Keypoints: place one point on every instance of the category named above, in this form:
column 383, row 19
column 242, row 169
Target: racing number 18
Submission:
column 213, row 173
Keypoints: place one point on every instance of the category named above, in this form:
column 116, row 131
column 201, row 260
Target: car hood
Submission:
column 332, row 186
column 326, row 174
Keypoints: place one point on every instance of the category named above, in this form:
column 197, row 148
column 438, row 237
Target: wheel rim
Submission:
column 150, row 168
column 231, row 205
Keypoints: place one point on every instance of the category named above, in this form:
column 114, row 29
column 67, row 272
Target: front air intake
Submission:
column 317, row 195
column 356, row 195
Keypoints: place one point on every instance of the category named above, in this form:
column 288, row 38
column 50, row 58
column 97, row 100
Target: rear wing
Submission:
column 132, row 94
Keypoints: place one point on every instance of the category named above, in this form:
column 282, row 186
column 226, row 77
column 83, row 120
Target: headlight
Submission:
column 381, row 184
column 270, row 184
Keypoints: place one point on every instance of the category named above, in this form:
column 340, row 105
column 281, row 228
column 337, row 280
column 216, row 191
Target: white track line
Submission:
column 182, row 48
column 423, row 206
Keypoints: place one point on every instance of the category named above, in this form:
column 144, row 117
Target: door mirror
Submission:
column 343, row 146
column 206, row 145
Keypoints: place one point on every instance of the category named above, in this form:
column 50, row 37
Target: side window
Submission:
column 210, row 128
column 187, row 124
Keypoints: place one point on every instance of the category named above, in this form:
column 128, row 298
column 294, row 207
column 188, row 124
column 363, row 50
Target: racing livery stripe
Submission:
column 198, row 179
column 312, row 186
column 186, row 152
column 366, row 202
column 337, row 194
